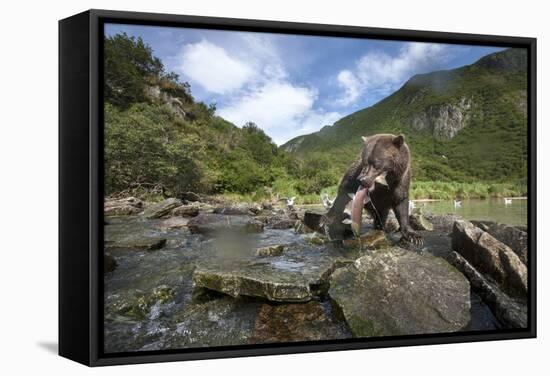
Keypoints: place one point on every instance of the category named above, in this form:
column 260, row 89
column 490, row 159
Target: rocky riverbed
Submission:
column 186, row 273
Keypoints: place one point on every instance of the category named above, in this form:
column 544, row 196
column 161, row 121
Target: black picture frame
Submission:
column 81, row 185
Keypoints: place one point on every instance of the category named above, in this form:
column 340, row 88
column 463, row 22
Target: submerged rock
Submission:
column 139, row 244
column 490, row 257
column 510, row 313
column 137, row 305
column 162, row 208
column 397, row 292
column 296, row 322
column 298, row 276
column 273, row 250
column 513, row 237
column 124, row 206
column 216, row 223
column 238, row 209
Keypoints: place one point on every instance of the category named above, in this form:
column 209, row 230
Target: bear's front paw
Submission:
column 412, row 237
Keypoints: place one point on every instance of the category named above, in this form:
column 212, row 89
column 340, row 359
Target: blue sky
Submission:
column 291, row 85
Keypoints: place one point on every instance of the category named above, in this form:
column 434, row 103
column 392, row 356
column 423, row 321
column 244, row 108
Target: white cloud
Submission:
column 351, row 85
column 281, row 109
column 378, row 73
column 211, row 67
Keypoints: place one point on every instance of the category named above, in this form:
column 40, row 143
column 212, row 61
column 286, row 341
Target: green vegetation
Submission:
column 160, row 141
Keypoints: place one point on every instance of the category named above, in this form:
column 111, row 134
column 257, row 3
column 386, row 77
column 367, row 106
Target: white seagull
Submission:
column 289, row 202
column 507, row 201
column 458, row 203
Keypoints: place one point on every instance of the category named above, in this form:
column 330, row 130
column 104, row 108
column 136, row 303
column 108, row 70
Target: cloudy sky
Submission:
column 291, row 85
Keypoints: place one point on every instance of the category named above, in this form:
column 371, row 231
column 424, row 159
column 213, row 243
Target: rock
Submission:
column 162, row 208
column 333, row 227
column 296, row 322
column 371, row 240
column 513, row 237
column 298, row 276
column 138, row 244
column 267, row 205
column 238, row 209
column 398, row 292
column 282, row 223
column 273, row 250
column 172, row 223
column 124, row 206
column 109, row 263
column 313, row 220
column 419, row 221
column 490, row 257
column 189, row 197
column 510, row 313
column 216, row 223
column 186, row 211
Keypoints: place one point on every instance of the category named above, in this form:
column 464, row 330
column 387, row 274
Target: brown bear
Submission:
column 382, row 173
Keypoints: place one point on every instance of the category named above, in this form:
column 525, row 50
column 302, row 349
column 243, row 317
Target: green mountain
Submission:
column 462, row 125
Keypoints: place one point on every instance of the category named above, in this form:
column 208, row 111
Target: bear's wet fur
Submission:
column 382, row 155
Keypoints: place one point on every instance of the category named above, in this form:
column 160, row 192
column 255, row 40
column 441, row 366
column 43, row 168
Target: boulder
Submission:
column 298, row 276
column 186, row 211
column 301, row 228
column 124, row 206
column 398, row 292
column 272, row 250
column 513, row 237
column 160, row 209
column 419, row 221
column 220, row 223
column 136, row 244
column 491, row 257
column 510, row 313
column 296, row 322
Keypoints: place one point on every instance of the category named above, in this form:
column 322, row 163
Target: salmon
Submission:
column 361, row 197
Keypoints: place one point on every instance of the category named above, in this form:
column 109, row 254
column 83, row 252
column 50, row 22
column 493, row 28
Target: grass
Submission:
column 452, row 190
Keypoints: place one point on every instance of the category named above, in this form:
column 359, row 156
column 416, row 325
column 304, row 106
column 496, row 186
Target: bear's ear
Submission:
column 364, row 139
column 398, row 140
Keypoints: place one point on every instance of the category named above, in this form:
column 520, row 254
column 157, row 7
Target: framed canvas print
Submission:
column 238, row 187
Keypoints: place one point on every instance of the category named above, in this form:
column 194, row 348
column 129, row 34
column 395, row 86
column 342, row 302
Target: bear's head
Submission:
column 383, row 156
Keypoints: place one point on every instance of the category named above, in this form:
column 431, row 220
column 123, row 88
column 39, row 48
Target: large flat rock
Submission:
column 491, row 257
column 398, row 292
column 295, row 276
